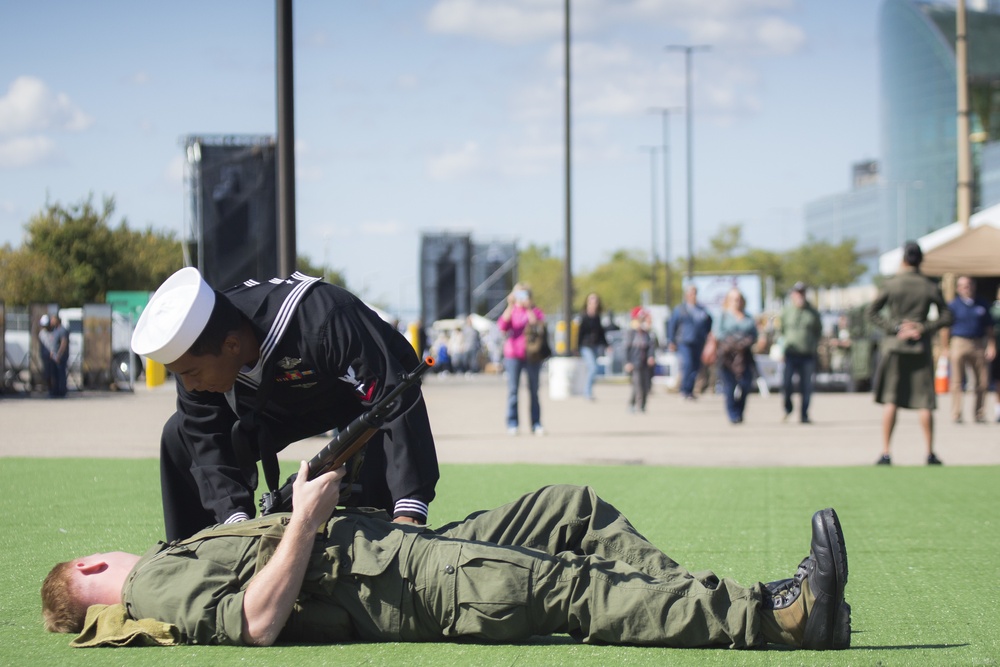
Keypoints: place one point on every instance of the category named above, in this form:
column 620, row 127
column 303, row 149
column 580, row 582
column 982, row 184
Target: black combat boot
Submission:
column 808, row 611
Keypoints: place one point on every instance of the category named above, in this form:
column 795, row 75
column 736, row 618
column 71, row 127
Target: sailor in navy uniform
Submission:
column 262, row 365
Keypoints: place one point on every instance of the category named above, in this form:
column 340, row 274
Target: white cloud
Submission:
column 763, row 35
column 407, row 82
column 139, row 78
column 173, row 173
column 780, row 37
column 506, row 22
column 455, row 164
column 30, row 106
column 380, row 228
column 752, row 25
column 25, row 151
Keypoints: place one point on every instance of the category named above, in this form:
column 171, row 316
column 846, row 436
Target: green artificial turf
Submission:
column 923, row 545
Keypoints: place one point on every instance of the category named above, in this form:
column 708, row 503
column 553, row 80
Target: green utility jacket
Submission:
column 801, row 329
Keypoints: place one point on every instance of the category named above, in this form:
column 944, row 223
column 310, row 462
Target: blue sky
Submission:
column 430, row 115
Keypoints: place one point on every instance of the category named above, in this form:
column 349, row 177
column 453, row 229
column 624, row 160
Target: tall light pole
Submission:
column 286, row 140
column 688, row 50
column 652, row 150
column 667, row 231
column 568, row 263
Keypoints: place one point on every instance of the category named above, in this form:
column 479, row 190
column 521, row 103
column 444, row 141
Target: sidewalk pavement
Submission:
column 467, row 415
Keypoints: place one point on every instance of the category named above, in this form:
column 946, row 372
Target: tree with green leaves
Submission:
column 71, row 255
column 821, row 264
column 621, row 281
column 329, row 274
column 544, row 273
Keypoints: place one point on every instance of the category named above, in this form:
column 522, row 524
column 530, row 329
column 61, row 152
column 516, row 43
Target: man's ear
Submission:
column 91, row 565
column 232, row 343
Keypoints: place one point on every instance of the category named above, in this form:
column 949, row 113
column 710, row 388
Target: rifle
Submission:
column 346, row 443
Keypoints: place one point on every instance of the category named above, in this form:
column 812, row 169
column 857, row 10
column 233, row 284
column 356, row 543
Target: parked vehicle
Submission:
column 17, row 346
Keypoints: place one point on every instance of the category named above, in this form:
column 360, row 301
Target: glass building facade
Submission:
column 919, row 109
column 849, row 216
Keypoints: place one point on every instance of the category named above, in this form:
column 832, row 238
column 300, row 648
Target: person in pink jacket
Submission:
column 519, row 314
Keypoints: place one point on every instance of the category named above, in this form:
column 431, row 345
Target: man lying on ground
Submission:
column 559, row 560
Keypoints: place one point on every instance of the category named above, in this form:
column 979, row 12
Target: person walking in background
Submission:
column 593, row 342
column 800, row 328
column 736, row 332
column 640, row 357
column 45, row 352
column 969, row 342
column 59, row 351
column 520, row 313
column 472, row 346
column 995, row 364
column 905, row 374
column 687, row 331
column 442, row 354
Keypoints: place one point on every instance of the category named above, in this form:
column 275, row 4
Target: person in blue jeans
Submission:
column 736, row 332
column 801, row 328
column 687, row 331
column 593, row 342
column 519, row 313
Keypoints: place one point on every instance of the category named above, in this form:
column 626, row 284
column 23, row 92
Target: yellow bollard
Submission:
column 413, row 333
column 562, row 345
column 156, row 373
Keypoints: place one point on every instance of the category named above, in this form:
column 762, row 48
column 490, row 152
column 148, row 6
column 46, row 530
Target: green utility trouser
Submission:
column 567, row 562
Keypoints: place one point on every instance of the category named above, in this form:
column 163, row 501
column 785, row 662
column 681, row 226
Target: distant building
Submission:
column 850, row 215
column 915, row 191
column 459, row 277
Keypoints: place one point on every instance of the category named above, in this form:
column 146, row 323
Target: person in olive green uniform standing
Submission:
column 579, row 567
column 905, row 374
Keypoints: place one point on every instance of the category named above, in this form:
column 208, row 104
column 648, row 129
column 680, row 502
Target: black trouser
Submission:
column 202, row 485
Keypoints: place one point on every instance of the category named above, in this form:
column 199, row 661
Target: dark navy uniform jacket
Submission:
column 325, row 358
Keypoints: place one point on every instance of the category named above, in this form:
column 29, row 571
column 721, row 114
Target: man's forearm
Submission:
column 272, row 592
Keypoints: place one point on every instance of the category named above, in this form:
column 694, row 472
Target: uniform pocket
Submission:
column 374, row 550
column 492, row 593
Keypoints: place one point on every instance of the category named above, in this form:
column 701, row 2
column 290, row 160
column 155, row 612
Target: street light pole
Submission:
column 568, row 263
column 286, row 140
column 652, row 150
column 667, row 231
column 688, row 50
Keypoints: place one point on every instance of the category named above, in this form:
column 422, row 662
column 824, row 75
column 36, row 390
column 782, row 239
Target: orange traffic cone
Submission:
column 941, row 376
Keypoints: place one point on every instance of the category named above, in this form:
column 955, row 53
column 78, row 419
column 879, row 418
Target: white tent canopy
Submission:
column 953, row 249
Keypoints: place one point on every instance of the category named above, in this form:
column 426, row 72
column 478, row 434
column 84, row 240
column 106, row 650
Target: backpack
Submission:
column 537, row 343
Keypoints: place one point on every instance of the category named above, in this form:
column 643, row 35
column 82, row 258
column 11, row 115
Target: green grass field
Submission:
column 923, row 545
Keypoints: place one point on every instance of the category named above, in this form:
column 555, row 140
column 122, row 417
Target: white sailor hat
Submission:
column 174, row 317
column 44, row 322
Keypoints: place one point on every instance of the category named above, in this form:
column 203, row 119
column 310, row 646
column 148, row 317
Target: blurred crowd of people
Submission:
column 723, row 353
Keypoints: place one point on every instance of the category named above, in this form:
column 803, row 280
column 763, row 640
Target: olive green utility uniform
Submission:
column 560, row 560
column 905, row 374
